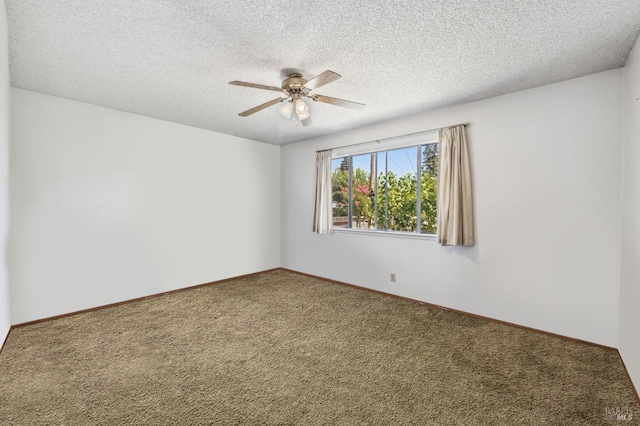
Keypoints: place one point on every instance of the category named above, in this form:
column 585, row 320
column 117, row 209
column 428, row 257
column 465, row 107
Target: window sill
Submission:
column 411, row 235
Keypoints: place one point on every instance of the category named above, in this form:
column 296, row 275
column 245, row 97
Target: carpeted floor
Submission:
column 284, row 349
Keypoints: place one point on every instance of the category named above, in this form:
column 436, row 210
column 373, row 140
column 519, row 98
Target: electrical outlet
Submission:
column 392, row 277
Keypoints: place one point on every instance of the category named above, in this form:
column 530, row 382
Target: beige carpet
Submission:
column 284, row 349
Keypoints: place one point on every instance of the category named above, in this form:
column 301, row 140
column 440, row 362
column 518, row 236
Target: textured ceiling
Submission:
column 172, row 59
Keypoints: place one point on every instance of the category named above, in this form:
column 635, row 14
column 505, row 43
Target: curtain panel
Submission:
column 455, row 203
column 323, row 211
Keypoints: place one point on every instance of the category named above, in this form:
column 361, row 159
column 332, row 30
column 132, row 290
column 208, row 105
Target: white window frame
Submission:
column 388, row 145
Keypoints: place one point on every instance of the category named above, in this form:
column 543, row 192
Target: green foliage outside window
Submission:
column 392, row 203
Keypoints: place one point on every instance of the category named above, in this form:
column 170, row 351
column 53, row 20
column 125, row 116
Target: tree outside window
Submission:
column 379, row 191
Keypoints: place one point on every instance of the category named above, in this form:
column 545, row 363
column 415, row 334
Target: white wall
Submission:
column 546, row 169
column 107, row 206
column 5, row 318
column 630, row 274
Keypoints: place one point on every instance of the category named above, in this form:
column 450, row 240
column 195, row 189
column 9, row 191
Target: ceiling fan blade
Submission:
column 338, row 102
column 322, row 79
column 261, row 107
column 255, row 86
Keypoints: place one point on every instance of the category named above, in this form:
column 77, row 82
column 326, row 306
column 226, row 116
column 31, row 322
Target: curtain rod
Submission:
column 394, row 137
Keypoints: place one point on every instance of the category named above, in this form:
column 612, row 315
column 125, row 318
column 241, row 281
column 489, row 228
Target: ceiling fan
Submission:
column 295, row 87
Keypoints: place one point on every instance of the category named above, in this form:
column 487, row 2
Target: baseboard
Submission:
column 5, row 339
column 510, row 324
column 469, row 314
column 443, row 308
column 635, row 390
column 137, row 299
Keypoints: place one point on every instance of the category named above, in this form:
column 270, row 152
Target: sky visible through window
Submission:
column 401, row 161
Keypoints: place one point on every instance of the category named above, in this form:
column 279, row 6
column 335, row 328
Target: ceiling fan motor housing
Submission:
column 294, row 84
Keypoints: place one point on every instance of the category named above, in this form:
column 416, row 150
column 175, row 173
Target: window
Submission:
column 392, row 190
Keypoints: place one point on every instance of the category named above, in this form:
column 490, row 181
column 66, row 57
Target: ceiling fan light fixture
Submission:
column 287, row 109
column 302, row 109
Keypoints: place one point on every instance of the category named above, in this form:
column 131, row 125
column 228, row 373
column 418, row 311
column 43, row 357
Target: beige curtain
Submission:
column 323, row 211
column 455, row 204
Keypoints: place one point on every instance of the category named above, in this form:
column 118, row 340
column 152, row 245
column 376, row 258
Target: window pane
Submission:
column 340, row 191
column 361, row 193
column 402, row 187
column 384, row 190
column 380, row 192
column 429, row 181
